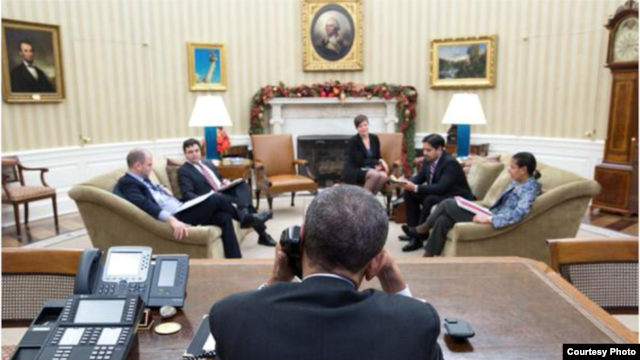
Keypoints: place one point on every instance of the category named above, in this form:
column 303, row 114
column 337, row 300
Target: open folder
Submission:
column 203, row 345
column 193, row 202
column 473, row 207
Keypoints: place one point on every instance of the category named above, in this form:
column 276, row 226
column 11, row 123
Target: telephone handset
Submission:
column 88, row 271
column 131, row 270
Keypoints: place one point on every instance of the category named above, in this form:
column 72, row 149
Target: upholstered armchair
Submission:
column 391, row 152
column 13, row 172
column 276, row 168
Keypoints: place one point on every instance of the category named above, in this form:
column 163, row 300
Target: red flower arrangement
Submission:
column 223, row 141
column 407, row 98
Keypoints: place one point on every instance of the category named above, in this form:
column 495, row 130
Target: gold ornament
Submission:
column 260, row 116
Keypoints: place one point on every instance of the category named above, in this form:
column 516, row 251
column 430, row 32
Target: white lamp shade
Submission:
column 464, row 109
column 209, row 111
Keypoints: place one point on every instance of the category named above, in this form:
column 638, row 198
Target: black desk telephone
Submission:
column 131, row 270
column 85, row 327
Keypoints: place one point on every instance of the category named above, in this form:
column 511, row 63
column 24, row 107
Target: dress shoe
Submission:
column 413, row 245
column 412, row 233
column 253, row 220
column 266, row 240
column 404, row 237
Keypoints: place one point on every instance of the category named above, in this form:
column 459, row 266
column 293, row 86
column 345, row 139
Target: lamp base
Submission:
column 211, row 142
column 464, row 140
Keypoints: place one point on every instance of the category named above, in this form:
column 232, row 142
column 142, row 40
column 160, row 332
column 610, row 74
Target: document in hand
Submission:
column 194, row 202
column 473, row 207
column 231, row 184
column 396, row 180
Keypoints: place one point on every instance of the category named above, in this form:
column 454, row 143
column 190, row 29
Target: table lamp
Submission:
column 210, row 112
column 464, row 110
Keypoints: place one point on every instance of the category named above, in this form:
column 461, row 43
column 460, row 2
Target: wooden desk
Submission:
column 520, row 309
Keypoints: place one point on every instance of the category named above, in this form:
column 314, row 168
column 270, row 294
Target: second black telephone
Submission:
column 132, row 270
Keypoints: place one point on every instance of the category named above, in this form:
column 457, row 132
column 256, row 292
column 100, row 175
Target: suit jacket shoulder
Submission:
column 268, row 323
column 138, row 194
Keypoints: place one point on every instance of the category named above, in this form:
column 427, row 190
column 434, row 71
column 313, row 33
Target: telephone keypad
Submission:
column 102, row 353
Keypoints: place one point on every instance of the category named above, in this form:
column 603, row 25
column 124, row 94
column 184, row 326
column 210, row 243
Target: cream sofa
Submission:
column 113, row 221
column 556, row 213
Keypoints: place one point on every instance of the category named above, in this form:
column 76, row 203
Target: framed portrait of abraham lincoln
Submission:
column 31, row 62
column 332, row 35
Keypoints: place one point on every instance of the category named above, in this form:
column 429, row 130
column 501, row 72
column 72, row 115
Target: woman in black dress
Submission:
column 364, row 165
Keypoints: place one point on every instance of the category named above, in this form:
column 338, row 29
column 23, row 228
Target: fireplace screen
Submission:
column 326, row 155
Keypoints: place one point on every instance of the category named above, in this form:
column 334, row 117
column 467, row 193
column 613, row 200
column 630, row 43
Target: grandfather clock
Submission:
column 618, row 174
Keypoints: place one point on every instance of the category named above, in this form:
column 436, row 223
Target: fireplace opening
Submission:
column 326, row 155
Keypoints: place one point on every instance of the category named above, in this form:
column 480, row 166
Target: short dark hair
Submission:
column 25, row 42
column 526, row 159
column 359, row 120
column 436, row 141
column 136, row 156
column 345, row 227
column 189, row 143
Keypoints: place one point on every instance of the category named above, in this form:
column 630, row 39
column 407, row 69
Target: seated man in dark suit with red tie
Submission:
column 159, row 203
column 198, row 176
column 440, row 177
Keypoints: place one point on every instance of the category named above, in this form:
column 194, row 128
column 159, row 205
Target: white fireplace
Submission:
column 329, row 116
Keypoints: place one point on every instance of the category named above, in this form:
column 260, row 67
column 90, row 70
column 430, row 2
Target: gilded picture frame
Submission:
column 332, row 35
column 207, row 67
column 32, row 70
column 463, row 62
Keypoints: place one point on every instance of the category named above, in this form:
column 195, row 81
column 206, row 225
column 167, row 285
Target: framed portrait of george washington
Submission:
column 207, row 67
column 332, row 35
column 31, row 62
column 464, row 62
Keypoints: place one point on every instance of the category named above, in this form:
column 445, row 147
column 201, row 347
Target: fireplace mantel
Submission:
column 330, row 116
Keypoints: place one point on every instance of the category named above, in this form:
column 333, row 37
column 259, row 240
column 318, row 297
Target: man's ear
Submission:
column 374, row 266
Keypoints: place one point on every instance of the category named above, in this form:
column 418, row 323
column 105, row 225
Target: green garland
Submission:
column 407, row 98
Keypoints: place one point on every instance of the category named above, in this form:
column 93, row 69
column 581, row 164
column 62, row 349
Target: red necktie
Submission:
column 208, row 177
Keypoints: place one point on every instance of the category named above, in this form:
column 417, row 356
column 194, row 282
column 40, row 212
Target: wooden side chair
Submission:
column 12, row 172
column 605, row 270
column 276, row 168
column 30, row 277
column 391, row 152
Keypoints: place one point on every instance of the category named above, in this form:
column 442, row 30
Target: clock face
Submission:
column 625, row 42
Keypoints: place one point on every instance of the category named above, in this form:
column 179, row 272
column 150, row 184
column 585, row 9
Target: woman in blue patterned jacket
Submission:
column 512, row 206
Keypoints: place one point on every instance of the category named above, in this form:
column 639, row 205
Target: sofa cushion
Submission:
column 497, row 188
column 172, row 173
column 482, row 174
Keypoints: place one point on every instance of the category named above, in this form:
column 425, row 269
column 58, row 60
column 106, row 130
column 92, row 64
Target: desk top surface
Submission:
column 520, row 309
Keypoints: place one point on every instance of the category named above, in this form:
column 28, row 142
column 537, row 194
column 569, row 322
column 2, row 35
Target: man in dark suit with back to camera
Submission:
column 154, row 199
column 198, row 176
column 325, row 316
column 440, row 177
column 27, row 77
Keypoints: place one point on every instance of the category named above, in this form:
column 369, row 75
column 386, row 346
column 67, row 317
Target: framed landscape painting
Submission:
column 468, row 62
column 31, row 62
column 332, row 35
column 207, row 67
